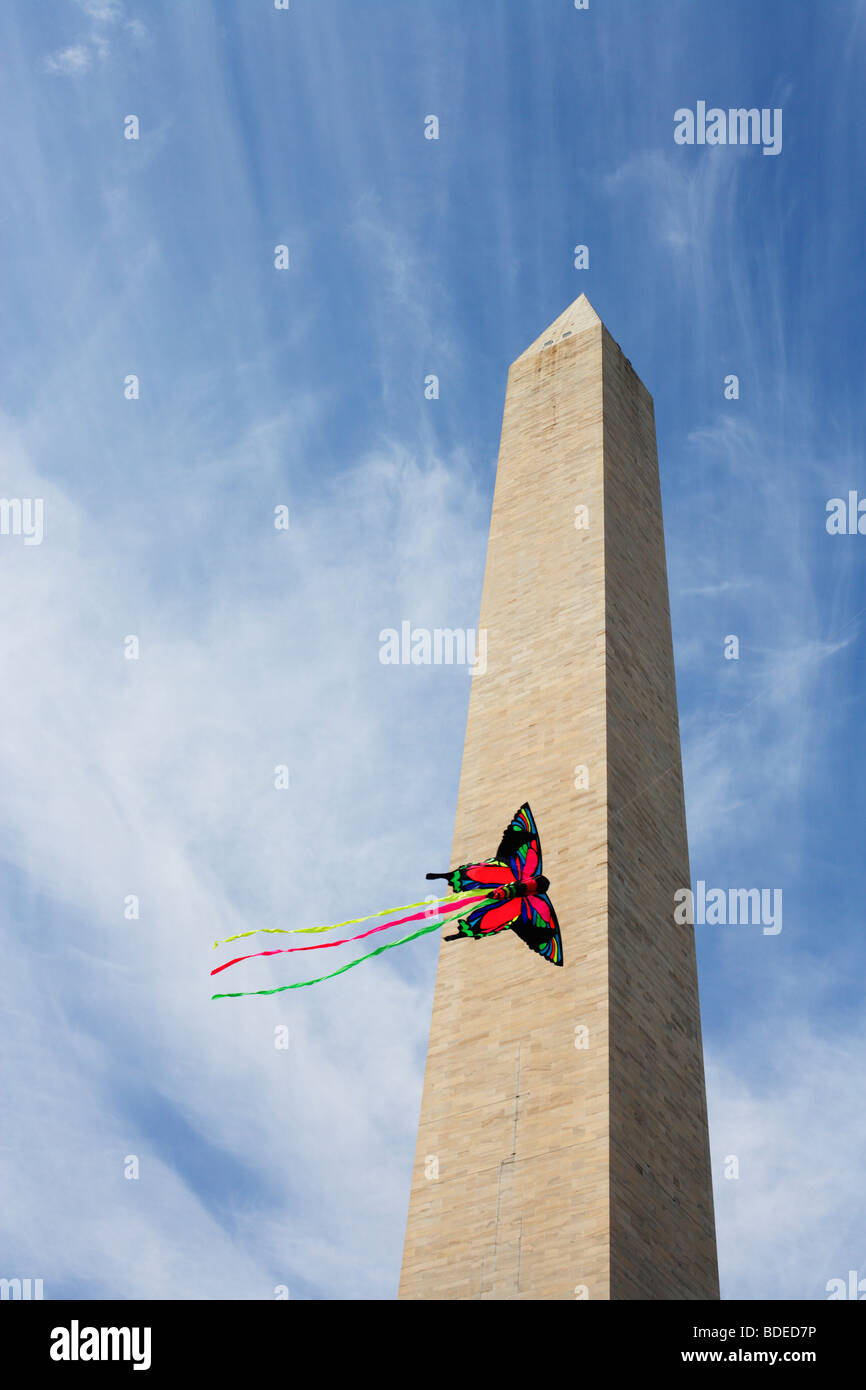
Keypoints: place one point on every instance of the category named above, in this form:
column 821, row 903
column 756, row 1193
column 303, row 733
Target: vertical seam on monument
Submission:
column 509, row 1162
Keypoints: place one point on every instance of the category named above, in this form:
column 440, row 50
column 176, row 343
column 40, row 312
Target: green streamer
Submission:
column 302, row 984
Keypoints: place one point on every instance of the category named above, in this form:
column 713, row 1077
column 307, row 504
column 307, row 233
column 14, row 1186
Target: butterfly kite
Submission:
column 507, row 892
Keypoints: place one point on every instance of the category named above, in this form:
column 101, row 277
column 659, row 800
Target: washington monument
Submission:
column 562, row 1147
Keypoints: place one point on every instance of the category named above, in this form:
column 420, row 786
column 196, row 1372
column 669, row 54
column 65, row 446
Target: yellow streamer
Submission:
column 351, row 922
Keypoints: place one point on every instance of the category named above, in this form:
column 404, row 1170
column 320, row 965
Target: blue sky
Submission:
column 261, row 1167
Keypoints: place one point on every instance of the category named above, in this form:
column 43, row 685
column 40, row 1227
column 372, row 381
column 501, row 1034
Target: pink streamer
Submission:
column 446, row 908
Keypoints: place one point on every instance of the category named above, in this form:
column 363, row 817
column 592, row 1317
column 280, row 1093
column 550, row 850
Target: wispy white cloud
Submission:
column 682, row 200
column 140, row 804
column 137, row 31
column 792, row 1217
column 103, row 11
column 70, row 61
column 105, row 15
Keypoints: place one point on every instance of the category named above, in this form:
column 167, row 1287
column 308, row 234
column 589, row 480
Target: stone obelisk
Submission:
column 562, row 1146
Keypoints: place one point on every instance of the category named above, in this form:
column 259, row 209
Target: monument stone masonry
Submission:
column 562, row 1145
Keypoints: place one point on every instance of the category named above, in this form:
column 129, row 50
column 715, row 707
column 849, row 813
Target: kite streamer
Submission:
column 351, row 922
column 323, row 945
column 302, row 984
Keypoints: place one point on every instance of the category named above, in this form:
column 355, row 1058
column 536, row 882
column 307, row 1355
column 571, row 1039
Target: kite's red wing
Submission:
column 490, row 874
column 493, row 917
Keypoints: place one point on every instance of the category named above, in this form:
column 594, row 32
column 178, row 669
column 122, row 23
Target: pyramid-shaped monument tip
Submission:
column 579, row 316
